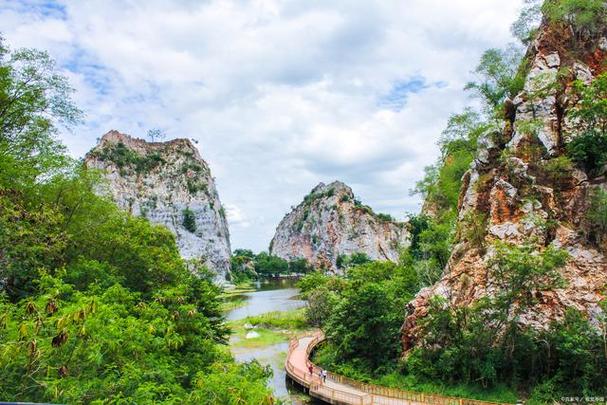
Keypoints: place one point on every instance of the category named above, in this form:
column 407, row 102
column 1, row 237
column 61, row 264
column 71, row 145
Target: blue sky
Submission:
column 279, row 94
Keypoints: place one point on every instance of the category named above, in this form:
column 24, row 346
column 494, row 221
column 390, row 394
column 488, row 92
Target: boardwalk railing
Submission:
column 368, row 394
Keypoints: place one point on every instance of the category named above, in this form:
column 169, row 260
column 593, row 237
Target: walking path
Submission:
column 343, row 391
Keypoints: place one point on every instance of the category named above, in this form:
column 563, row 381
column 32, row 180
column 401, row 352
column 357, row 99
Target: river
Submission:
column 269, row 296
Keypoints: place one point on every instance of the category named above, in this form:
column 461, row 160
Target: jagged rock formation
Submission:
column 330, row 222
column 171, row 185
column 509, row 185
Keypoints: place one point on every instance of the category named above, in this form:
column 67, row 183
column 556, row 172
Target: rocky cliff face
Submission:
column 509, row 184
column 330, row 222
column 171, row 185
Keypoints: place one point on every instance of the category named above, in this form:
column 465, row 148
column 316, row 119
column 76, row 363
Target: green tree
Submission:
column 268, row 265
column 320, row 306
column 364, row 324
column 299, row 266
column 189, row 220
column 34, row 97
column 526, row 26
column 500, row 76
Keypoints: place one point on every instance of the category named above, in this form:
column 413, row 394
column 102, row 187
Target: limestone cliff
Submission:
column 330, row 222
column 510, row 184
column 171, row 185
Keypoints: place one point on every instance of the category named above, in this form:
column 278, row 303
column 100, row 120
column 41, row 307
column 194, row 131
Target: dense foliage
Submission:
column 96, row 306
column 362, row 312
column 126, row 159
column 582, row 15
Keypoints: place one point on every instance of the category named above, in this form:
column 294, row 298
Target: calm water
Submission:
column 272, row 295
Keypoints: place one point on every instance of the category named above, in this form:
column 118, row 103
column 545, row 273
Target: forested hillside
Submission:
column 96, row 305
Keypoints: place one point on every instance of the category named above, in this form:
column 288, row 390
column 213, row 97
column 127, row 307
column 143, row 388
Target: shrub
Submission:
column 474, row 229
column 589, row 146
column 580, row 14
column 189, row 220
column 558, row 170
column 589, row 150
column 597, row 215
column 384, row 217
column 125, row 158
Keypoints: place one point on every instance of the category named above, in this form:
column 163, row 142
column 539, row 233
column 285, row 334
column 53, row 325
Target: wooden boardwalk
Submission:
column 344, row 391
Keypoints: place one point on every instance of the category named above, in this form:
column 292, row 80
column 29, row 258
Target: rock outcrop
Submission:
column 171, row 185
column 330, row 222
column 511, row 186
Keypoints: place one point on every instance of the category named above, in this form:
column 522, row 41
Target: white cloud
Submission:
column 281, row 94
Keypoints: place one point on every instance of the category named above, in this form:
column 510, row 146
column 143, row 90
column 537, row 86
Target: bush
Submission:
column 558, row 169
column 597, row 215
column 474, row 229
column 189, row 220
column 580, row 14
column 589, row 151
column 368, row 302
column 124, row 158
column 589, row 146
column 384, row 217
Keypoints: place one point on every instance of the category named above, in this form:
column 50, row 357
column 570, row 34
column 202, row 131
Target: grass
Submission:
column 267, row 337
column 292, row 320
column 272, row 327
column 233, row 298
column 325, row 357
column 240, row 288
column 230, row 303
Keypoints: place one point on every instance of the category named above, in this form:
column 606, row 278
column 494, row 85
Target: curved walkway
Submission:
column 344, row 391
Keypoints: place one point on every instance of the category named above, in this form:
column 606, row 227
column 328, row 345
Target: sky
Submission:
column 279, row 94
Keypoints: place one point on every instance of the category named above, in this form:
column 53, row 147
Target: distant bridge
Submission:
column 344, row 391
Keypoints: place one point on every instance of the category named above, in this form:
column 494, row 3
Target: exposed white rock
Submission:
column 164, row 182
column 329, row 223
column 252, row 335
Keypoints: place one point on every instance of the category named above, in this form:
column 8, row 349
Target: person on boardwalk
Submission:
column 324, row 376
column 311, row 369
column 320, row 375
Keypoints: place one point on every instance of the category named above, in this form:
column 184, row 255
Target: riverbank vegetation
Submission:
column 97, row 306
column 268, row 329
column 247, row 266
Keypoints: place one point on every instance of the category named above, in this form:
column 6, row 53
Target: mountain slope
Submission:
column 170, row 184
column 524, row 188
column 330, row 222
